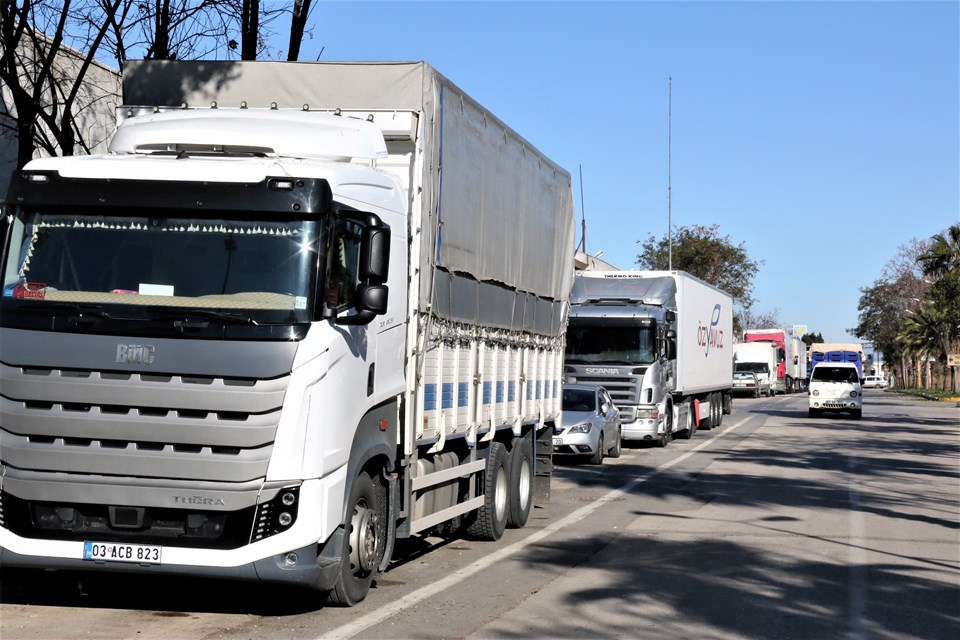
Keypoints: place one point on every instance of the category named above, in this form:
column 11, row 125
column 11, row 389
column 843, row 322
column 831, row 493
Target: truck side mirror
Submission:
column 375, row 254
column 372, row 267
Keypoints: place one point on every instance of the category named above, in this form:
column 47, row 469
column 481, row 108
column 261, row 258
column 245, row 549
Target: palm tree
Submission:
column 941, row 263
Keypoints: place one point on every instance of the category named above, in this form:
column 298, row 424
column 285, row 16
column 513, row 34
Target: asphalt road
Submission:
column 772, row 526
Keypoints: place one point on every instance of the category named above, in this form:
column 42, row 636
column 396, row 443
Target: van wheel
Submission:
column 364, row 541
column 521, row 482
column 489, row 521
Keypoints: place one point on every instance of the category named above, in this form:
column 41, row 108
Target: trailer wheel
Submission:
column 364, row 541
column 489, row 521
column 521, row 482
column 718, row 413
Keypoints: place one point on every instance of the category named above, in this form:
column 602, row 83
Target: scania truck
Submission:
column 661, row 344
column 299, row 311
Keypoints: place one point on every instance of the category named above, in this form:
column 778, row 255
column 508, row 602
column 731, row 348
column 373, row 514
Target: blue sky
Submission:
column 822, row 135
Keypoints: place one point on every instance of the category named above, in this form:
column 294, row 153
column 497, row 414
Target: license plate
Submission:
column 558, row 442
column 117, row 552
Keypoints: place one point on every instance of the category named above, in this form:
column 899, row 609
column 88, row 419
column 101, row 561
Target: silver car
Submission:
column 589, row 426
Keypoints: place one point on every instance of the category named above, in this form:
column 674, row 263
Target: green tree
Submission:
column 702, row 252
column 812, row 338
column 941, row 264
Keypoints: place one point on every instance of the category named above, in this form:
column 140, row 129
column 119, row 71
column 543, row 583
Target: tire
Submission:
column 597, row 457
column 521, row 483
column 812, row 413
column 691, row 429
column 667, row 434
column 489, row 521
column 856, row 414
column 706, row 422
column 719, row 403
column 364, row 541
column 617, row 447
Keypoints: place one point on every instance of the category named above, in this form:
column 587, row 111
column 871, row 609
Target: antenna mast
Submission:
column 670, row 174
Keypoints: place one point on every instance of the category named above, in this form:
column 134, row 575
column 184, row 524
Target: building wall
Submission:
column 94, row 109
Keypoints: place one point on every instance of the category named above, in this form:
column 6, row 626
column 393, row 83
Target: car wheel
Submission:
column 812, row 413
column 617, row 447
column 597, row 457
column 857, row 414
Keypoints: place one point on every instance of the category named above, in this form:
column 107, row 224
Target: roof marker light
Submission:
column 305, row 107
column 243, row 104
column 273, row 106
column 213, row 105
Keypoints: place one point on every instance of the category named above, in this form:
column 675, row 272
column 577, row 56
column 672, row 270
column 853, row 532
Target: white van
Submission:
column 874, row 382
column 835, row 386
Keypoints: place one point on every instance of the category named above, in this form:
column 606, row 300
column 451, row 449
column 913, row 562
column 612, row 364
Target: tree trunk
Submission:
column 298, row 23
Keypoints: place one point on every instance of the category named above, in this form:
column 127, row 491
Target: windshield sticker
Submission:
column 155, row 289
column 35, row 290
column 300, row 302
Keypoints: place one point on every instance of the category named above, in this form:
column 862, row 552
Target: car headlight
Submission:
column 815, row 392
column 584, row 427
column 853, row 394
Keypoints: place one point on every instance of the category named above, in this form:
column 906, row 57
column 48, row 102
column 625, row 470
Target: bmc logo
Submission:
column 135, row 353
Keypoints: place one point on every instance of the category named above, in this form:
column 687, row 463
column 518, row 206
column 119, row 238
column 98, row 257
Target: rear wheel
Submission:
column 857, row 414
column 521, row 482
column 489, row 521
column 364, row 541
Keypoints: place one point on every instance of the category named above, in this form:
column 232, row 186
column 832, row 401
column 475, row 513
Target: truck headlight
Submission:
column 649, row 414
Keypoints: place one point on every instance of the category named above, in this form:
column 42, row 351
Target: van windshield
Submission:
column 826, row 373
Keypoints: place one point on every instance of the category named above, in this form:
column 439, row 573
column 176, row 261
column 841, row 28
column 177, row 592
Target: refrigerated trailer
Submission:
column 263, row 337
column 661, row 344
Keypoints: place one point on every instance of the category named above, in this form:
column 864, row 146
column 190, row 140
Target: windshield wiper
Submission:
column 185, row 321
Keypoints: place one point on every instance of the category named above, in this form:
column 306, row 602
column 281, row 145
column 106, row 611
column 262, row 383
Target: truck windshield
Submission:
column 756, row 367
column 611, row 345
column 262, row 271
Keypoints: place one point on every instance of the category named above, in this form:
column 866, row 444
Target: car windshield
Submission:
column 827, row 373
column 579, row 400
column 264, row 268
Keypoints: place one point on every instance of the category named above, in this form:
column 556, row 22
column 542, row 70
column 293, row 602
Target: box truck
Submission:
column 660, row 342
column 787, row 360
column 759, row 358
column 837, row 352
column 298, row 312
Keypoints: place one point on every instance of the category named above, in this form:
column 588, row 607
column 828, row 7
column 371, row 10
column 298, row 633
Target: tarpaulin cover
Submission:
column 497, row 214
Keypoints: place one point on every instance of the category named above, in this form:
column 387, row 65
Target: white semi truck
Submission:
column 298, row 312
column 660, row 342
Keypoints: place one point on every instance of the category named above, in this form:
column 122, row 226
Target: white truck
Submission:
column 661, row 344
column 759, row 358
column 299, row 311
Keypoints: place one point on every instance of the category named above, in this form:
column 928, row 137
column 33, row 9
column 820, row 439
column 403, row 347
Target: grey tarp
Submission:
column 497, row 214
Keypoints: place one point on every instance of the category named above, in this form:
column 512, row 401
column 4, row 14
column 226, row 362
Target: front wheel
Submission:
column 597, row 457
column 617, row 447
column 364, row 541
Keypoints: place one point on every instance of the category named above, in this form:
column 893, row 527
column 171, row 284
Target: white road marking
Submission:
column 402, row 604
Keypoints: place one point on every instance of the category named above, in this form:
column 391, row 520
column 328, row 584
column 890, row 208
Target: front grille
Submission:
column 155, row 525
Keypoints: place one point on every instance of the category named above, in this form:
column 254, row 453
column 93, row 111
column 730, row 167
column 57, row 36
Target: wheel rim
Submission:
column 363, row 538
column 500, row 495
column 524, row 483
